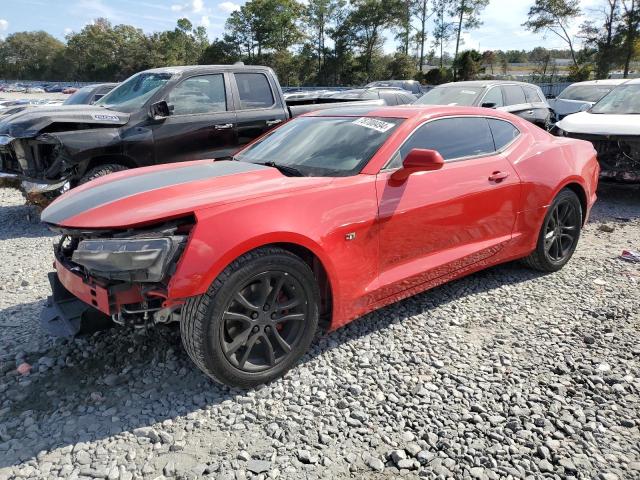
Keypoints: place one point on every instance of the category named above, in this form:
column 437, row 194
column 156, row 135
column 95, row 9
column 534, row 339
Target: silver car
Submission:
column 523, row 99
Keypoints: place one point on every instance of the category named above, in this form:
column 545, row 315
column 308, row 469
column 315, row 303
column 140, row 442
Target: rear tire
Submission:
column 101, row 171
column 559, row 235
column 256, row 320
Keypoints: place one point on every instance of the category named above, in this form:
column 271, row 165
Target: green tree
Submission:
column 631, row 25
column 467, row 13
column 443, row 28
column 369, row 19
column 401, row 67
column 554, row 16
column 183, row 45
column 468, row 64
column 602, row 38
column 318, row 15
column 28, row 55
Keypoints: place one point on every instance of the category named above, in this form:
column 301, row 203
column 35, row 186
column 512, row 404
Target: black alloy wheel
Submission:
column 264, row 321
column 559, row 235
column 561, row 231
column 256, row 320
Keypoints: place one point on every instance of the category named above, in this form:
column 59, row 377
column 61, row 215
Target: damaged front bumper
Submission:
column 80, row 304
column 35, row 166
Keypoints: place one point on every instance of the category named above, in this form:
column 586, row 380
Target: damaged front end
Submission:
column 39, row 165
column 618, row 155
column 105, row 275
column 44, row 150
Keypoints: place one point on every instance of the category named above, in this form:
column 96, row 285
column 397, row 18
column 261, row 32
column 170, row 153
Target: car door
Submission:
column 201, row 124
column 258, row 109
column 435, row 223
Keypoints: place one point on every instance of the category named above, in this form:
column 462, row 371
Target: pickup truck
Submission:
column 156, row 116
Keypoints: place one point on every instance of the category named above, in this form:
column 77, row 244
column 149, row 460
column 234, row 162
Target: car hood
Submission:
column 152, row 194
column 32, row 121
column 564, row 107
column 597, row 124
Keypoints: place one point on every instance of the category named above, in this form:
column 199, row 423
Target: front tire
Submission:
column 559, row 235
column 101, row 171
column 256, row 320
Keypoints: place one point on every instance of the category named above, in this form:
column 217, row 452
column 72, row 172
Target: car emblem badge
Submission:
column 350, row 236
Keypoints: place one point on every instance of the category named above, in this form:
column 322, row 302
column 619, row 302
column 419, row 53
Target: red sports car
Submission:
column 330, row 216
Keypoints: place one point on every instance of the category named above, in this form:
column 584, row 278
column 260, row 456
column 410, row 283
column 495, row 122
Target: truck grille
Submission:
column 8, row 162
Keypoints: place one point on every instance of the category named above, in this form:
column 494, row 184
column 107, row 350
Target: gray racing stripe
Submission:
column 66, row 208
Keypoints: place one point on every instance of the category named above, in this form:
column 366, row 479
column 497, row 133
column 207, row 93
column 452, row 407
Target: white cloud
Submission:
column 4, row 25
column 204, row 21
column 197, row 6
column 228, row 7
column 177, row 8
column 67, row 31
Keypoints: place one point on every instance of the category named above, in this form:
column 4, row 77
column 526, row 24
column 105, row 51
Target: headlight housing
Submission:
column 129, row 259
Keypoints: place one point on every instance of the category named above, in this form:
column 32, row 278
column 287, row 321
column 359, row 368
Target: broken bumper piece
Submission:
column 66, row 316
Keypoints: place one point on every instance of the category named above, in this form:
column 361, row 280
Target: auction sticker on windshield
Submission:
column 374, row 124
column 105, row 118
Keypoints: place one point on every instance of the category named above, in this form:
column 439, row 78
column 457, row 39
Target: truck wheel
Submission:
column 256, row 320
column 558, row 237
column 101, row 171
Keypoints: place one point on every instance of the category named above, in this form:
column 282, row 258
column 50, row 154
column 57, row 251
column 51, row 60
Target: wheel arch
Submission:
column 301, row 246
column 576, row 187
column 108, row 159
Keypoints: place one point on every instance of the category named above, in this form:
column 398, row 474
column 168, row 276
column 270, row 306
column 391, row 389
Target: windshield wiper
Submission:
column 285, row 169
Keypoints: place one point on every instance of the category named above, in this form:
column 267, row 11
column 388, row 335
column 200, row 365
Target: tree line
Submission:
column 334, row 42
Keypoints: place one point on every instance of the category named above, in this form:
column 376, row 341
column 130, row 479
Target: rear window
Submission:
column 514, row 95
column 254, row 90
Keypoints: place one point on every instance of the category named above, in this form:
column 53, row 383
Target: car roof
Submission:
column 635, row 81
column 605, row 81
column 407, row 111
column 205, row 68
column 484, row 83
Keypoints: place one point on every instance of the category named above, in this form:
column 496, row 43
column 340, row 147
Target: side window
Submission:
column 453, row 138
column 254, row 91
column 503, row 132
column 531, row 95
column 513, row 95
column 202, row 94
column 494, row 96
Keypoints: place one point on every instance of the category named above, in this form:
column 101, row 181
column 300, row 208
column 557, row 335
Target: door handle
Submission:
column 530, row 112
column 271, row 123
column 223, row 126
column 498, row 176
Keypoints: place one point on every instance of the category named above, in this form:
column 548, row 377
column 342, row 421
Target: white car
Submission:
column 613, row 127
column 581, row 96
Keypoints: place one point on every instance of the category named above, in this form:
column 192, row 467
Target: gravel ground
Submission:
column 504, row 374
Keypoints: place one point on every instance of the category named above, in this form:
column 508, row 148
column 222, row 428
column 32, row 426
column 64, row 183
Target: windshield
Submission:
column 585, row 93
column 132, row 94
column 322, row 146
column 80, row 97
column 622, row 100
column 450, row 96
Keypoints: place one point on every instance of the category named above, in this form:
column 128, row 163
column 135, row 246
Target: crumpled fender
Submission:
column 31, row 122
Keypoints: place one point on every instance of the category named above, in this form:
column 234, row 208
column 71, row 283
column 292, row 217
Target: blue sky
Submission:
column 501, row 19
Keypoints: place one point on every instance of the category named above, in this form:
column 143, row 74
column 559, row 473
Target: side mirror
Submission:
column 488, row 105
column 419, row 160
column 159, row 110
